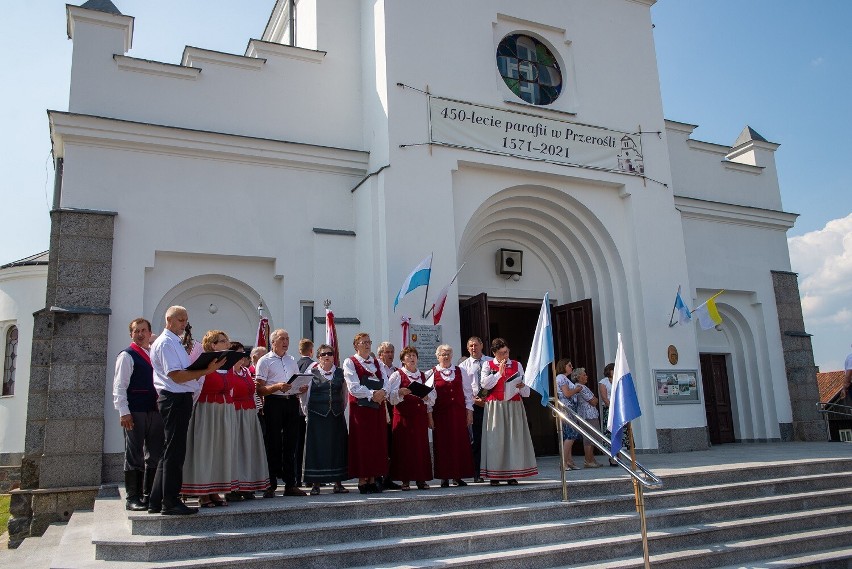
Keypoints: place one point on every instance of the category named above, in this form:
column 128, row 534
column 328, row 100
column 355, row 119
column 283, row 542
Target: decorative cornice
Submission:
column 678, row 126
column 710, row 147
column 116, row 133
column 76, row 14
column 156, row 67
column 740, row 167
column 705, row 210
column 192, row 56
column 260, row 48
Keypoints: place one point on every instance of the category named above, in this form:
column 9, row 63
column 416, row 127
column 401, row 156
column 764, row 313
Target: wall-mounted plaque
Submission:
column 676, row 386
column 673, row 355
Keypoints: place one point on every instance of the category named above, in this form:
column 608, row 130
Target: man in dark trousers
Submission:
column 281, row 412
column 306, row 351
column 135, row 399
column 473, row 365
column 175, row 386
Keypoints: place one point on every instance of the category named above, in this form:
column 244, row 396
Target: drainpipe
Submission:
column 292, row 18
column 57, row 182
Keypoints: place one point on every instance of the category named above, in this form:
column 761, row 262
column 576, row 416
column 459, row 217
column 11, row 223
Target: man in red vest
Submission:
column 135, row 399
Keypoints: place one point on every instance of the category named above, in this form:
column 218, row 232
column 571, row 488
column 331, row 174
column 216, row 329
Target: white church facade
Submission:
column 332, row 156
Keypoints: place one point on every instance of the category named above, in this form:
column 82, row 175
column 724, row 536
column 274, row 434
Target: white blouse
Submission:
column 393, row 386
column 353, row 383
column 488, row 380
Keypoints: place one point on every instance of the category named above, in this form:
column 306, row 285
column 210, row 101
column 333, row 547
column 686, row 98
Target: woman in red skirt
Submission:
column 452, row 414
column 410, row 456
column 368, row 436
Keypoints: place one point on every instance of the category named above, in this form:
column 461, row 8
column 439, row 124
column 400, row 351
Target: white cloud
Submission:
column 817, row 62
column 823, row 260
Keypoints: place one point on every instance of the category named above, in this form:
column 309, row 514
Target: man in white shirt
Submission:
column 175, row 385
column 281, row 412
column 135, row 399
column 473, row 367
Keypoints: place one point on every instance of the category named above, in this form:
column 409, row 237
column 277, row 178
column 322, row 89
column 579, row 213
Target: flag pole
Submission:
column 426, row 296
column 559, row 437
column 674, row 307
column 708, row 300
column 640, row 500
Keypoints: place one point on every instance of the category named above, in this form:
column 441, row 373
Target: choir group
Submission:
column 236, row 429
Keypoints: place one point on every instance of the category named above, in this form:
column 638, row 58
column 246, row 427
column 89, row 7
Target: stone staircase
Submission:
column 794, row 513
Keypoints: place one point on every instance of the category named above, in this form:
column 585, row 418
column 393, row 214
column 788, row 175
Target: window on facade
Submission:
column 529, row 69
column 308, row 320
column 11, row 354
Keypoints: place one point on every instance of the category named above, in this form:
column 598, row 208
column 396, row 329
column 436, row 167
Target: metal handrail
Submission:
column 641, row 475
column 832, row 408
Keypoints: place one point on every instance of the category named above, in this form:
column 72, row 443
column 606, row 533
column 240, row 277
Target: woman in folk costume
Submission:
column 410, row 456
column 452, row 414
column 507, row 450
column 209, row 466
column 368, row 416
column 251, row 471
column 326, row 440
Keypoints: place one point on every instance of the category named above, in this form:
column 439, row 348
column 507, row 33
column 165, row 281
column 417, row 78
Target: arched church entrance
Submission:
column 215, row 302
column 738, row 402
column 568, row 252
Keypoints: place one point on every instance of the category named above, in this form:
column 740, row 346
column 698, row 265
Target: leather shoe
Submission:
column 367, row 488
column 269, row 493
column 391, row 485
column 294, row 491
column 154, row 509
column 460, row 482
column 445, row 483
column 479, row 480
column 179, row 509
column 135, row 505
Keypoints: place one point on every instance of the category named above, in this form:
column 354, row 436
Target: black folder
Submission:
column 295, row 375
column 231, row 357
column 374, row 384
column 419, row 390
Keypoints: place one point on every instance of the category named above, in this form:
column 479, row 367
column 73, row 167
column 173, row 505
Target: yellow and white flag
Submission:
column 707, row 314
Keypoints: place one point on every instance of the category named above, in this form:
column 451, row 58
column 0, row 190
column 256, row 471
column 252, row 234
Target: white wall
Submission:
column 22, row 292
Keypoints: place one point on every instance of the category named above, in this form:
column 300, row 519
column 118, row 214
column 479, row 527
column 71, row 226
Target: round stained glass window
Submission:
column 529, row 69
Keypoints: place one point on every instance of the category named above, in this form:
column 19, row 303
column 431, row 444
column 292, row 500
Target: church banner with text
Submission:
column 523, row 135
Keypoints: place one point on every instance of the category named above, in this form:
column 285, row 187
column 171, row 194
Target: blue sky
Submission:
column 782, row 66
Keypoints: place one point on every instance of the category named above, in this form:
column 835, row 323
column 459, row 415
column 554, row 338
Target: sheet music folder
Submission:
column 231, row 357
column 373, row 384
column 419, row 390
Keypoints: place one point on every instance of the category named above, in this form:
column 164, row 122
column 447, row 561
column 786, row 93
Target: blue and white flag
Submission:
column 418, row 277
column 684, row 315
column 541, row 354
column 623, row 402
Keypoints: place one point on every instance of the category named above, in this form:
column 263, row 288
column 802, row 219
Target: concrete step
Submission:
column 597, row 517
column 790, row 511
column 292, row 511
column 541, row 538
column 34, row 553
column 723, row 473
column 832, row 559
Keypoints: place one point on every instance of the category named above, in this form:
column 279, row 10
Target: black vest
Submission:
column 141, row 395
column 327, row 396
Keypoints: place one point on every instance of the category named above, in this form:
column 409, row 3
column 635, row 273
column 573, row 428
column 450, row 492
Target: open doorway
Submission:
column 515, row 322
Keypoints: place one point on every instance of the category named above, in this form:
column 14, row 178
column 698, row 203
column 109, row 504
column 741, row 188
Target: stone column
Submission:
column 61, row 467
column 807, row 425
